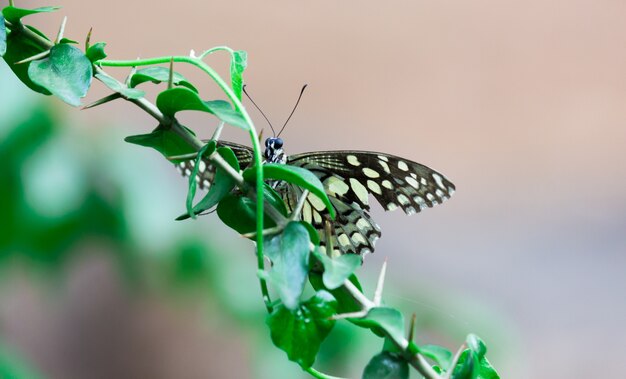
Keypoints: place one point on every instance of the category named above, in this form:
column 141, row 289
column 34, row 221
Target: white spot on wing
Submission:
column 370, row 173
column 383, row 158
column 336, row 185
column 403, row 166
column 438, row 180
column 353, row 160
column 387, row 184
column 403, row 199
column 420, row 201
column 201, row 166
column 359, row 190
column 317, row 217
column 362, row 224
column 372, row 185
column 316, row 202
column 357, row 238
column 343, row 240
column 385, row 166
column 412, row 182
column 306, row 212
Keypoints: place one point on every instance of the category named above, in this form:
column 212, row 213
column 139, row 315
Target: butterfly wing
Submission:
column 348, row 177
column 206, row 171
column 351, row 232
column 393, row 181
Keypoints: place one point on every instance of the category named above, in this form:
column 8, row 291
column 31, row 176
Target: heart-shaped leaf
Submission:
column 114, row 85
column 159, row 75
column 96, row 52
column 179, row 99
column 18, row 48
column 66, row 73
column 385, row 321
column 289, row 253
column 239, row 212
column 164, row 141
column 386, row 365
column 337, row 270
column 439, row 354
column 296, row 175
column 300, row 332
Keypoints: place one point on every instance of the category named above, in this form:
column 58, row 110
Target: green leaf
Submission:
column 345, row 301
column 238, row 64
column 464, row 368
column 114, row 85
column 3, row 36
column 289, row 253
column 18, row 48
column 337, row 270
column 158, row 75
column 300, row 333
column 386, row 365
column 476, row 345
column 239, row 212
column 222, row 184
column 481, row 366
column 204, row 152
column 66, row 73
column 164, row 141
column 14, row 15
column 179, row 99
column 439, row 354
column 67, row 40
column 313, row 235
column 296, row 175
column 486, row 371
column 385, row 321
column 96, row 52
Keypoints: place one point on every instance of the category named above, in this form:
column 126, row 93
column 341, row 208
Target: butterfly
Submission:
column 349, row 178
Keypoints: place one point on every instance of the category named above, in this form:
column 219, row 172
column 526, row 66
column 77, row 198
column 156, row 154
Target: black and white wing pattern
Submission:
column 206, row 171
column 349, row 177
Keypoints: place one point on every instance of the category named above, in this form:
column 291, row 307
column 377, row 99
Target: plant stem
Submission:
column 417, row 360
column 253, row 137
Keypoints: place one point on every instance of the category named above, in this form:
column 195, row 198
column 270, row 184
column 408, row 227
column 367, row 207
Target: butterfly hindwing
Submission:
column 206, row 171
column 352, row 231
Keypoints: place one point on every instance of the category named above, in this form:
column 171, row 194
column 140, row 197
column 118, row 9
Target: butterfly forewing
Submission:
column 393, row 181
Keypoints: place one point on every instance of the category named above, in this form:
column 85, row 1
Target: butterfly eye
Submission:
column 267, row 142
column 278, row 143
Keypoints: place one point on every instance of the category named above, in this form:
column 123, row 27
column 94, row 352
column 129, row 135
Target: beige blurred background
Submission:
column 521, row 103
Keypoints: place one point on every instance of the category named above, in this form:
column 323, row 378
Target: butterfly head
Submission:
column 274, row 150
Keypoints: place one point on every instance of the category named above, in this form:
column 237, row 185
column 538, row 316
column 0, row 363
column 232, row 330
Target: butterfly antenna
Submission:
column 259, row 109
column 294, row 109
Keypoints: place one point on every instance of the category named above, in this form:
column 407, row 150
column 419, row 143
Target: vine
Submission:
column 243, row 200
